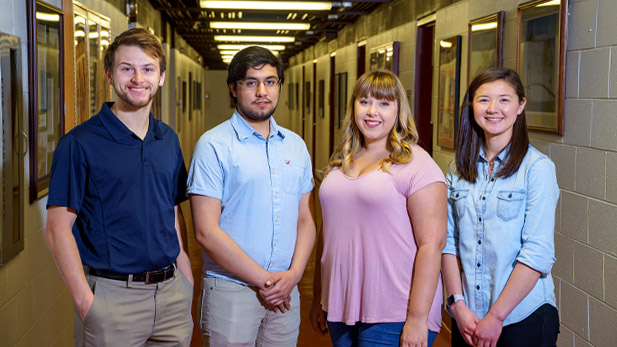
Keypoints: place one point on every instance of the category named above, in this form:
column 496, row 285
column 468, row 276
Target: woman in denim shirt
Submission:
column 501, row 216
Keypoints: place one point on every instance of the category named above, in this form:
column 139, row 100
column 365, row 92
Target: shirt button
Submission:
column 145, row 160
column 492, row 180
column 478, row 265
column 484, row 198
column 276, row 195
column 478, row 287
column 273, row 171
column 480, row 219
column 275, row 243
column 479, row 242
column 276, row 219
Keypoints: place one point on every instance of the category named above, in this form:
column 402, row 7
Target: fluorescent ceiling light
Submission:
column 93, row 35
column 238, row 38
column 260, row 26
column 333, row 54
column 484, row 26
column 47, row 17
column 228, row 52
column 269, row 5
column 79, row 20
column 241, row 47
column 445, row 44
column 79, row 33
column 550, row 3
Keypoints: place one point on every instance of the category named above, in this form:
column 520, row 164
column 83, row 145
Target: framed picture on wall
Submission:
column 307, row 96
column 385, row 57
column 485, row 44
column 290, row 93
column 449, row 85
column 540, row 62
column 297, row 105
column 340, row 97
column 320, row 98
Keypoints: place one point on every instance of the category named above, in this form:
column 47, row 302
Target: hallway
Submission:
column 308, row 337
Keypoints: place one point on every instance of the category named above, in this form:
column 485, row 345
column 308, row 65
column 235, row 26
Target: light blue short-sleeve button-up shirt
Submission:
column 495, row 223
column 260, row 183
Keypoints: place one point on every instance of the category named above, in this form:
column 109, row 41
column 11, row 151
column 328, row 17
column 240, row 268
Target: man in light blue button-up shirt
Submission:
column 249, row 185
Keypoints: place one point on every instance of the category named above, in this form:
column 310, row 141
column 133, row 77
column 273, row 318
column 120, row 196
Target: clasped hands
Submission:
column 477, row 332
column 276, row 290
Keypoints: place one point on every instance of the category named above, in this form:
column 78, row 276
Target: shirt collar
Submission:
column 118, row 130
column 244, row 130
column 499, row 158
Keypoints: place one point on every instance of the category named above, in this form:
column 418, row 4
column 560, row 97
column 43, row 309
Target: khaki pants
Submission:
column 234, row 315
column 137, row 314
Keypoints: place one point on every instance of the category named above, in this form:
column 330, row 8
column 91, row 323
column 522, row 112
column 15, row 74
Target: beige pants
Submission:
column 234, row 315
column 137, row 314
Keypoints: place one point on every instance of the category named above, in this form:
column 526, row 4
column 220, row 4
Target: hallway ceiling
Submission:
column 194, row 24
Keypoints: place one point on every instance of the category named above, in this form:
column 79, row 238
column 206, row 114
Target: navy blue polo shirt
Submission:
column 124, row 191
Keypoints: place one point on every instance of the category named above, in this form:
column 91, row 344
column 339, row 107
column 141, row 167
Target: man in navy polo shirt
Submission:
column 249, row 185
column 113, row 219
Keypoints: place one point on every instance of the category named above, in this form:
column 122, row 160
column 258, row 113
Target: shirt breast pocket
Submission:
column 509, row 203
column 458, row 198
column 292, row 178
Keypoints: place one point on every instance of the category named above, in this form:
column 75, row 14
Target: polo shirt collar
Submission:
column 118, row 130
column 245, row 131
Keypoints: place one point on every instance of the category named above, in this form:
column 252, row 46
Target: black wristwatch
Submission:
column 454, row 298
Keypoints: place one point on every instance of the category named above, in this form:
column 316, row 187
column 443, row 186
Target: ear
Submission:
column 162, row 80
column 232, row 89
column 110, row 77
column 521, row 106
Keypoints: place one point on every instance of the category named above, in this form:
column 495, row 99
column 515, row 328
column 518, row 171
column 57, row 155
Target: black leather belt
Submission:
column 146, row 277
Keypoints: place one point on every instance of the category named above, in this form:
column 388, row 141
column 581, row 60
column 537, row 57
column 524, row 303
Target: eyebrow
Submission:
column 131, row 65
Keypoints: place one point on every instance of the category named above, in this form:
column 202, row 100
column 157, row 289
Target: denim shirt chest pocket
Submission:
column 292, row 176
column 458, row 197
column 509, row 203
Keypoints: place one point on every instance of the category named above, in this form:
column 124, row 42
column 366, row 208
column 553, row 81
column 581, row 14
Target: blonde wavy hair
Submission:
column 380, row 84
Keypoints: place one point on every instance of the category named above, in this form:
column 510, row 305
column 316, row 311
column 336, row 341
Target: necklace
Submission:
column 491, row 166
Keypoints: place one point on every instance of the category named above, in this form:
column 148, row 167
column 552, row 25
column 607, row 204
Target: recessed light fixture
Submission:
column 238, row 38
column 260, row 26
column 269, row 5
column 241, row 47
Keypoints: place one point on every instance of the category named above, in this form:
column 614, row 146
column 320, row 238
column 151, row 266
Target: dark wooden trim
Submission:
column 331, row 102
column 314, row 116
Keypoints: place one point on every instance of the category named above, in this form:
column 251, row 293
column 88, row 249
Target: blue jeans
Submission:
column 369, row 334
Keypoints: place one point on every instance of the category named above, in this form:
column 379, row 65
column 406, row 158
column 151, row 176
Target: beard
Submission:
column 135, row 103
column 257, row 116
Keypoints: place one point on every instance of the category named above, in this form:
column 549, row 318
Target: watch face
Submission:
column 450, row 300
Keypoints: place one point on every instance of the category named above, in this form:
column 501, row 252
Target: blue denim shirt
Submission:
column 260, row 183
column 495, row 223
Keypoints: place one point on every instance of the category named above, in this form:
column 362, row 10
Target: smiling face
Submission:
column 496, row 107
column 135, row 76
column 257, row 104
column 375, row 118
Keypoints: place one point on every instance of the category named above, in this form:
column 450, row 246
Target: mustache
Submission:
column 262, row 100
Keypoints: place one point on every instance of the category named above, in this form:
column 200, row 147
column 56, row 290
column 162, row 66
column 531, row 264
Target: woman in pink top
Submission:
column 384, row 209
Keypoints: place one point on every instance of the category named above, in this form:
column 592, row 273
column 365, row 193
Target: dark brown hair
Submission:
column 470, row 137
column 138, row 37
